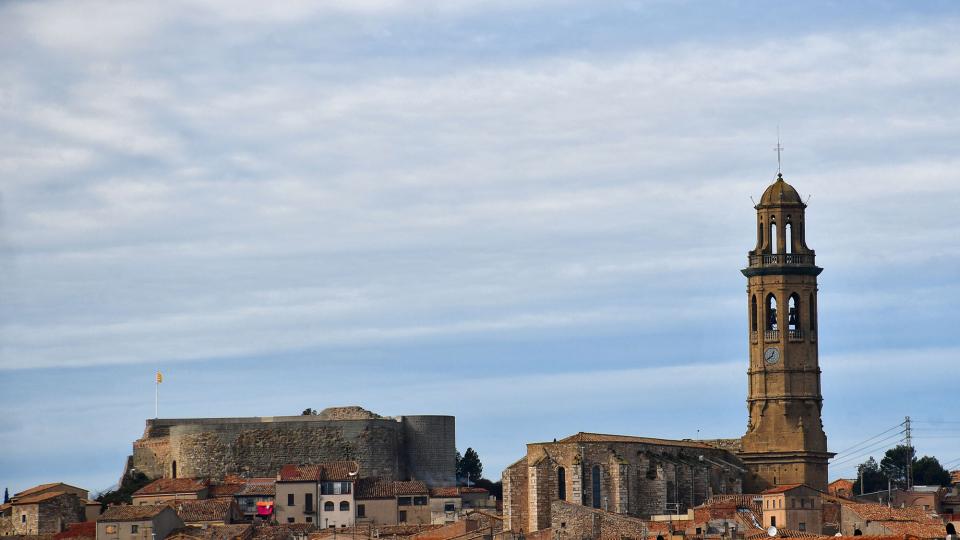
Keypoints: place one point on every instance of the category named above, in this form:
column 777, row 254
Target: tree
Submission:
column 469, row 466
column 6, row 496
column 894, row 464
column 495, row 488
column 129, row 484
column 872, row 477
column 927, row 471
column 309, row 412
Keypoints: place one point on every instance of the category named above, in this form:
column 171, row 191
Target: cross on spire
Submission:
column 779, row 149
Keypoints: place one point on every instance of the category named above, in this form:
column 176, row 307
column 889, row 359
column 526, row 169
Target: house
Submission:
column 137, row 522
column 256, row 498
column 841, row 487
column 86, row 530
column 59, row 487
column 381, row 502
column 42, row 512
column 878, row 520
column 171, row 489
column 206, row 512
column 793, row 506
column 318, row 495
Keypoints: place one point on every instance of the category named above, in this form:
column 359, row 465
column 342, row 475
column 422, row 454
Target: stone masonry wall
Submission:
column 215, row 447
column 575, row 522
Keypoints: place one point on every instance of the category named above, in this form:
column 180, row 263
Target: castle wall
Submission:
column 392, row 448
column 428, row 440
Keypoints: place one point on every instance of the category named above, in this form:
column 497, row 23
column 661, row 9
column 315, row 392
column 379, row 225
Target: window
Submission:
column 449, row 507
column 173, row 469
column 308, row 502
column 344, row 506
column 562, row 484
column 290, row 501
column 813, row 317
column 361, row 511
column 289, row 520
column 111, row 529
column 771, row 312
column 419, row 501
column 23, row 518
column 328, row 506
column 403, row 516
column 404, row 501
column 788, row 234
column 802, row 526
column 309, row 519
column 753, row 313
column 773, row 521
column 335, row 488
column 595, row 480
column 774, row 239
column 134, row 529
column 793, row 313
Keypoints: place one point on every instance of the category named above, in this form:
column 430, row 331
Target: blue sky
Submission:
column 528, row 214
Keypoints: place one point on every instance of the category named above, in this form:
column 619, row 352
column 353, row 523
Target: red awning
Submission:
column 264, row 508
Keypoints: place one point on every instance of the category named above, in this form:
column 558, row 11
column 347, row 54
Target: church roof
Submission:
column 604, row 438
column 780, row 192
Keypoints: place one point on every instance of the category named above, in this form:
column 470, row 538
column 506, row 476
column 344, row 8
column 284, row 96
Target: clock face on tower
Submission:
column 771, row 356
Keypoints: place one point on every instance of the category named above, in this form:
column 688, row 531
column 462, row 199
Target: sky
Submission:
column 527, row 214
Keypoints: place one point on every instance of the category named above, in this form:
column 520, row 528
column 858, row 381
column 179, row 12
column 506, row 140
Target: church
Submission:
column 784, row 444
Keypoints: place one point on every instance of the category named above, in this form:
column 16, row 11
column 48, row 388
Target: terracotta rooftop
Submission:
column 782, row 489
column 84, row 530
column 42, row 487
column 129, row 512
column 375, row 488
column 455, row 491
column 204, row 510
column 39, row 498
column 929, row 529
column 333, row 471
column 259, row 486
column 781, row 533
column 283, row 531
column 879, row 512
column 164, row 486
column 224, row 490
column 218, row 532
column 601, row 437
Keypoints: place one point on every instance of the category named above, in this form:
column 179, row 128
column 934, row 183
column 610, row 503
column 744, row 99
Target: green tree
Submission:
column 309, row 412
column 894, row 464
column 871, row 475
column 128, row 485
column 6, row 496
column 927, row 471
column 469, row 466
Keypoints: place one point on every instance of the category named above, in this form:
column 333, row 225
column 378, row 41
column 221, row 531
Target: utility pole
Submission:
column 909, row 455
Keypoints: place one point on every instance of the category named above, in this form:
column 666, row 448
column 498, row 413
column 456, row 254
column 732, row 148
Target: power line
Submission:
column 845, row 450
column 862, row 448
column 878, row 446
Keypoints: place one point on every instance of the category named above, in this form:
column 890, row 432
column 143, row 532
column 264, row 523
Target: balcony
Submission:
column 308, row 509
column 771, row 336
column 781, row 259
column 795, row 335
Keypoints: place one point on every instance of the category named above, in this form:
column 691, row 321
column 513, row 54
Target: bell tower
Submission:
column 785, row 442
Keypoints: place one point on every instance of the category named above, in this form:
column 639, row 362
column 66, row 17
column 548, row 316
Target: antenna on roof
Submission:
column 753, row 201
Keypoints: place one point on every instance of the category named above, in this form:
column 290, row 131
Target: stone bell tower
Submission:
column 785, row 442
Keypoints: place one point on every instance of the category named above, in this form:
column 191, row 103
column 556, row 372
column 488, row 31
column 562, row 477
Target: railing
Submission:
column 308, row 509
column 795, row 335
column 778, row 259
column 771, row 336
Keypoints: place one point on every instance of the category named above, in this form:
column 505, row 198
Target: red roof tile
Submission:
column 34, row 499
column 129, row 512
column 782, row 489
column 164, row 486
column 217, row 532
column 376, row 488
column 259, row 486
column 204, row 510
column 333, row 471
column 86, row 530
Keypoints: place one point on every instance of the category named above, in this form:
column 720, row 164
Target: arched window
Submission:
column 173, row 469
column 328, row 506
column 788, row 235
column 753, row 313
column 760, row 234
column 595, row 480
column 771, row 315
column 812, row 308
column 793, row 315
column 773, row 237
column 344, row 506
column 562, row 484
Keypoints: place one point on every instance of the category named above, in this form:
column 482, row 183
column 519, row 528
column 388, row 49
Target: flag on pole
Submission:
column 159, row 377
